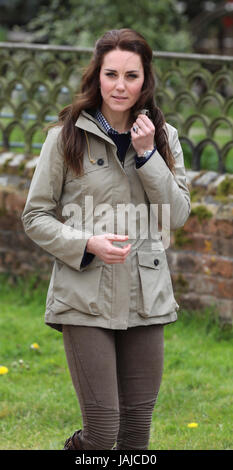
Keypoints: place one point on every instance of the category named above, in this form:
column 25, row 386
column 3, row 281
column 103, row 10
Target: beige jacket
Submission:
column 116, row 296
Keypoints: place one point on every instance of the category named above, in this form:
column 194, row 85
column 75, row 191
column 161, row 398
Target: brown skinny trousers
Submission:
column 116, row 375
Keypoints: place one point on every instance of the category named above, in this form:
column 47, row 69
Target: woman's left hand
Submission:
column 143, row 138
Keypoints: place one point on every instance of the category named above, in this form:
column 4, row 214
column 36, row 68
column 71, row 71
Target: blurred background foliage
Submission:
column 160, row 22
column 79, row 22
column 168, row 25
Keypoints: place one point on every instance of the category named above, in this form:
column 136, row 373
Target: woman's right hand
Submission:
column 101, row 246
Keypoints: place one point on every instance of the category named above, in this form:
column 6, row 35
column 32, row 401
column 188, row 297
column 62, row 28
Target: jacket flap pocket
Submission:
column 95, row 155
column 152, row 260
column 97, row 163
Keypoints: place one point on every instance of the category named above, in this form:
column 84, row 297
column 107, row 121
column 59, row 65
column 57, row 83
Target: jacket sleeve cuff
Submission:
column 87, row 258
column 141, row 160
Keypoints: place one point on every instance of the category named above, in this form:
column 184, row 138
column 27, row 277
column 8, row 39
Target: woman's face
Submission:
column 121, row 80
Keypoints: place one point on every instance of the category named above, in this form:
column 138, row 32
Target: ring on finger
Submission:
column 135, row 129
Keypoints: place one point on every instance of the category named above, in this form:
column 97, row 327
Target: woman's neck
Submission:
column 118, row 121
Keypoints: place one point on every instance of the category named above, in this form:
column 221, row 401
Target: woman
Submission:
column 111, row 157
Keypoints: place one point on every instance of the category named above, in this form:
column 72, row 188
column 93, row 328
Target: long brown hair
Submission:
column 90, row 98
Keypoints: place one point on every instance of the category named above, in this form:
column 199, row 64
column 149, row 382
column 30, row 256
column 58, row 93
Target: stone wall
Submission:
column 201, row 252
column 200, row 256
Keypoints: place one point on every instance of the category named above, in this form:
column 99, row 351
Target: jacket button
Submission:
column 156, row 262
column 100, row 161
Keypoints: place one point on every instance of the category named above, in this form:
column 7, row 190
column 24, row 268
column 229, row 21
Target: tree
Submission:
column 18, row 11
column 80, row 22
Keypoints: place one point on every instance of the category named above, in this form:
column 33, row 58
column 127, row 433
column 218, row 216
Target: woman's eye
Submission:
column 112, row 74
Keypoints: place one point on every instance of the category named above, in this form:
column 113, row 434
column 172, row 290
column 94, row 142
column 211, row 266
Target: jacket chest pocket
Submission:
column 95, row 181
column 155, row 293
column 95, row 156
column 97, row 177
column 98, row 163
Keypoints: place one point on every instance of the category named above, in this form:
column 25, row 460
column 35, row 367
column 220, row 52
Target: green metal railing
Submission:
column 194, row 91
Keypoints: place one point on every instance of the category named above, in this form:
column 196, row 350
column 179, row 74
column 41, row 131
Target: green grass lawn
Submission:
column 39, row 408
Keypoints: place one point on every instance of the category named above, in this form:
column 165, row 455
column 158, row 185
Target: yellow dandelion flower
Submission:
column 208, row 245
column 192, row 425
column 3, row 370
column 35, row 346
column 207, row 270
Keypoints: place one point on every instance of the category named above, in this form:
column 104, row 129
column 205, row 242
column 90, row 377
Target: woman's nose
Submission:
column 120, row 85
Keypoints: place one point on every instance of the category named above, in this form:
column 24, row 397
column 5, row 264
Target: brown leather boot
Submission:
column 73, row 442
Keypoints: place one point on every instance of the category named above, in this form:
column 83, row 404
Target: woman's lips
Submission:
column 120, row 98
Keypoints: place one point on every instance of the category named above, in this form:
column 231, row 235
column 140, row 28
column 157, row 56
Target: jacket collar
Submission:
column 88, row 123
